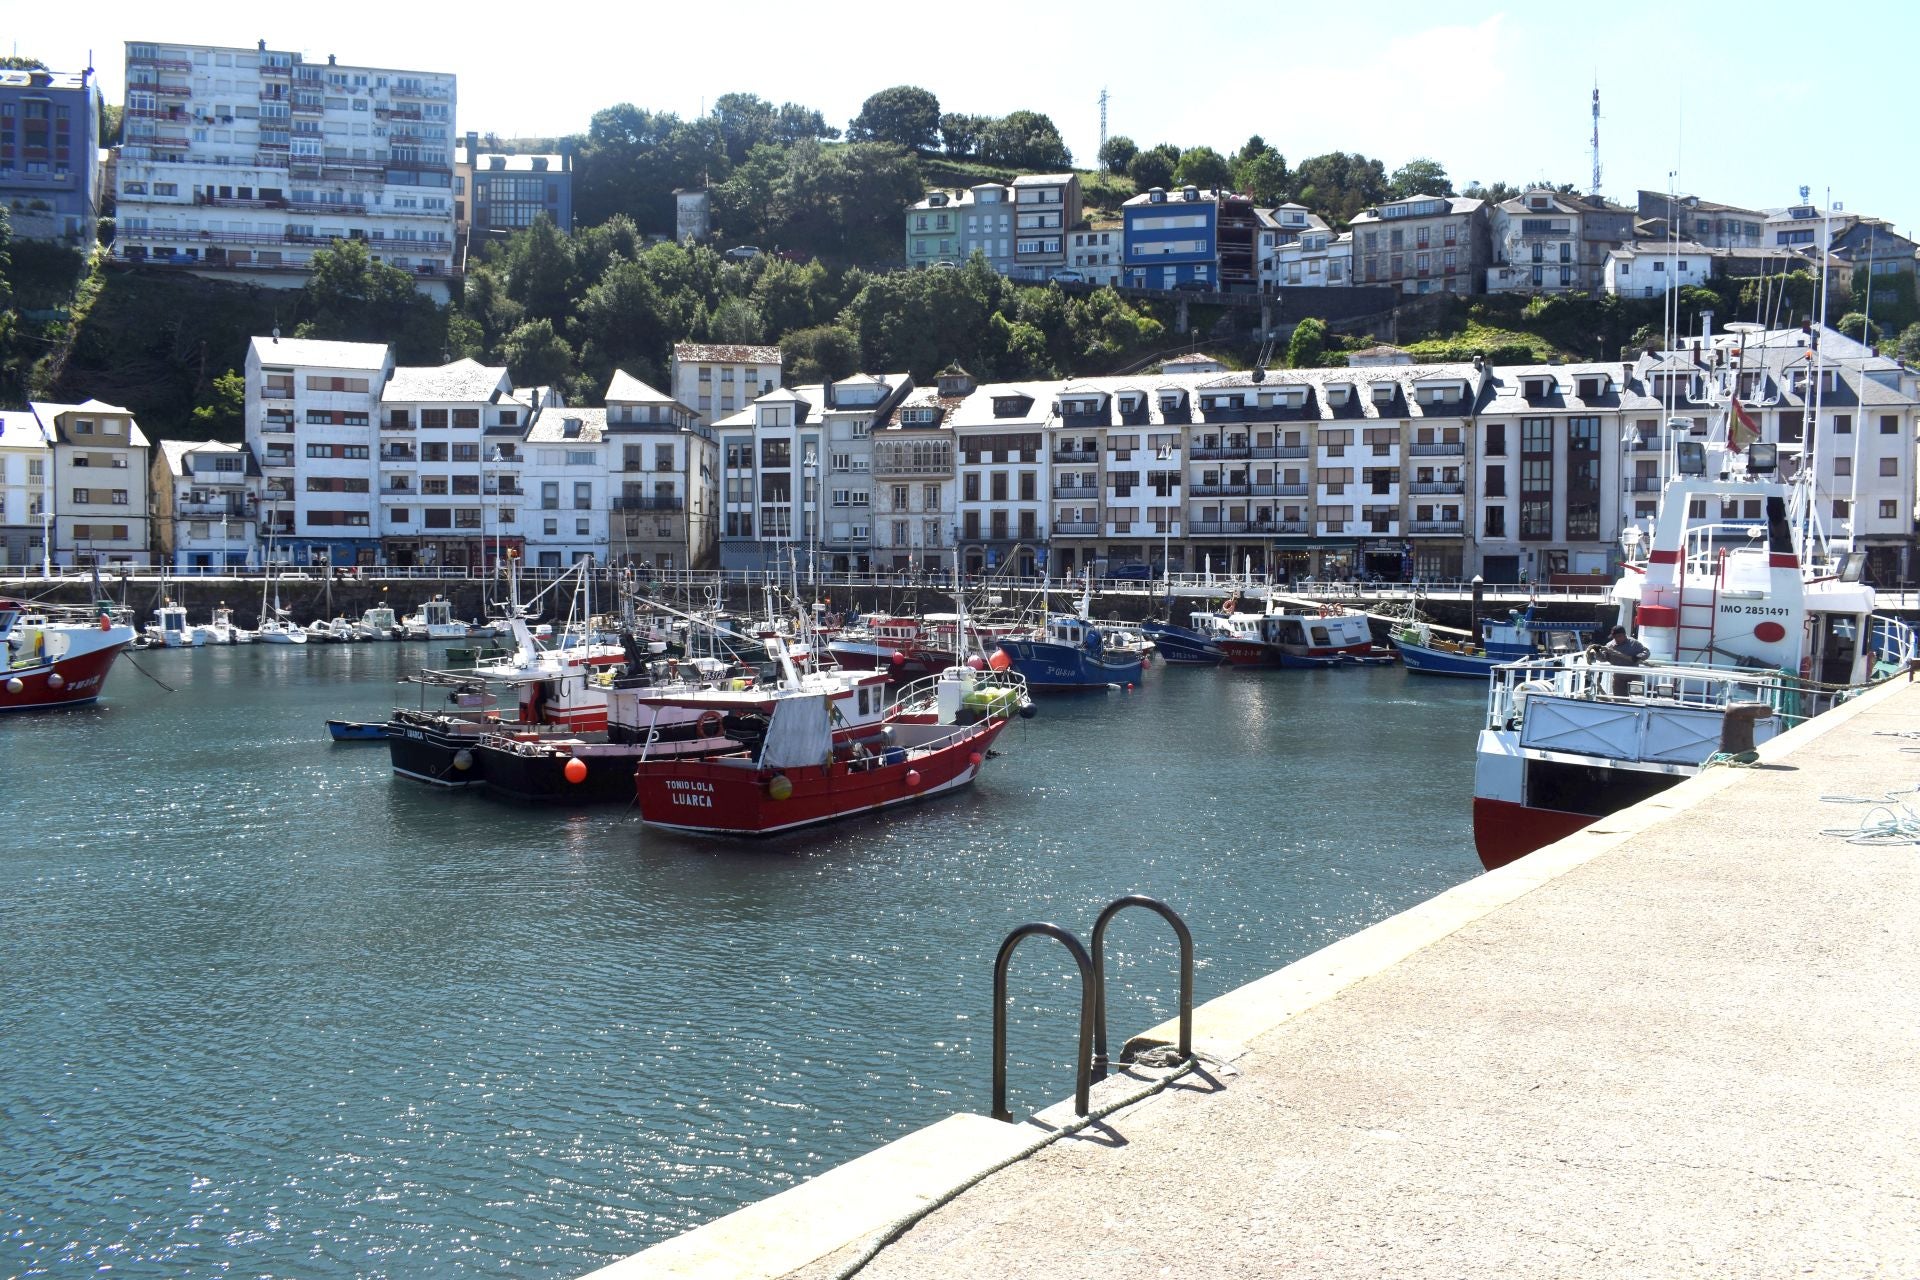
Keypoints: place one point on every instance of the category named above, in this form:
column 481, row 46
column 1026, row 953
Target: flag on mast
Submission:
column 1742, row 430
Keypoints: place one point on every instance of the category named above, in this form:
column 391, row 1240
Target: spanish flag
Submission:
column 1742, row 430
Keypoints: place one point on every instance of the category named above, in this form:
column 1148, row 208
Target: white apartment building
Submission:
column 206, row 504
column 311, row 410
column 99, row 484
column 664, row 489
column 447, row 433
column 1045, row 205
column 239, row 163
column 1095, row 255
column 770, row 513
column 914, row 515
column 565, row 477
column 717, row 379
column 1648, row 269
column 1000, row 438
column 1298, row 250
column 26, row 462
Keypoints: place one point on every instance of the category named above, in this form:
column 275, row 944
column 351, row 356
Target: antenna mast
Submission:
column 1103, row 118
column 1595, row 190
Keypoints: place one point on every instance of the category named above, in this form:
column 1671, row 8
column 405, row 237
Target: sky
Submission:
column 1742, row 105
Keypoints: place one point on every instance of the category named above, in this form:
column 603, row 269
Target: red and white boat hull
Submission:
column 1505, row 831
column 733, row 796
column 74, row 679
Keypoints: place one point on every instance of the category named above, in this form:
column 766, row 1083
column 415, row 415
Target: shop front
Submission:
column 453, row 553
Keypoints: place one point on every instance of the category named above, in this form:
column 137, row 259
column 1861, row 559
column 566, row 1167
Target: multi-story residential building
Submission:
column 1172, row 238
column 770, row 459
column 664, row 507
column 206, row 504
column 1873, row 246
column 948, row 227
column 1548, row 443
column 448, row 435
column 1718, row 226
column 99, row 484
column 49, row 154
column 240, row 163
column 564, row 476
column 1298, row 250
column 717, row 379
column 496, row 193
column 933, row 228
column 1427, row 244
column 1045, row 207
column 26, row 465
column 914, row 513
column 1647, row 269
column 1095, row 254
column 847, row 411
column 1000, row 438
column 311, row 414
column 1547, row 242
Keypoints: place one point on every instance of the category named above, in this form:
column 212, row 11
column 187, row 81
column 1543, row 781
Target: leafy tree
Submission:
column 1105, row 325
column 632, row 160
column 796, row 123
column 112, row 117
column 349, row 297
column 843, row 200
column 1498, row 193
column 1117, row 152
column 1202, row 167
column 1908, row 346
column 1892, row 301
column 223, row 415
column 1024, row 140
column 790, row 295
column 1339, row 185
column 621, row 321
column 536, row 356
column 1307, row 348
column 736, row 320
column 1419, row 178
column 960, row 133
column 539, row 270
column 746, row 120
column 821, row 353
column 18, row 62
column 904, row 115
column 1153, row 167
column 1261, row 172
column 1855, row 325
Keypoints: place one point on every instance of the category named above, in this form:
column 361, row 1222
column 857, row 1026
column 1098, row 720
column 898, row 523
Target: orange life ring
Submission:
column 708, row 724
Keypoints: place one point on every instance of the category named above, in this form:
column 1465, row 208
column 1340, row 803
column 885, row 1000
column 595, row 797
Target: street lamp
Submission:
column 809, row 464
column 46, row 542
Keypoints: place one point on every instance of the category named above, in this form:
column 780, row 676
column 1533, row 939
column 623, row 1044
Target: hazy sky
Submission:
column 1743, row 104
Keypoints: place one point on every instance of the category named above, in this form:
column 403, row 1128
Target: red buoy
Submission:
column 576, row 771
column 913, row 777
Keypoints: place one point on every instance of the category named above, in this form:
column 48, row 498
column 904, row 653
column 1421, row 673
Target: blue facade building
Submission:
column 1172, row 238
column 496, row 194
column 50, row 154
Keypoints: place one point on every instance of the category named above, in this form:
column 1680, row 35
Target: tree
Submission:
column 1117, row 152
column 1261, row 172
column 746, row 120
column 1498, row 193
column 1307, row 348
column 1419, row 178
column 1908, row 347
column 1338, row 184
column 18, row 62
column 1154, row 167
column 904, row 115
column 960, row 133
column 825, row 353
column 796, row 123
column 1202, row 167
column 1024, row 140
column 536, row 356
column 621, row 321
column 1855, row 325
column 632, row 160
column 539, row 269
column 736, row 320
column 223, row 414
column 349, row 297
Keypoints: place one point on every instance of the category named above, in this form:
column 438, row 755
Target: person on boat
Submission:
column 1624, row 651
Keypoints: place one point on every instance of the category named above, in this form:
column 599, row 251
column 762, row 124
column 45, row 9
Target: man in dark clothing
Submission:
column 1624, row 651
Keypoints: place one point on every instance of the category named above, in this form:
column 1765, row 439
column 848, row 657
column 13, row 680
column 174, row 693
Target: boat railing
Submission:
column 1663, row 685
column 920, row 696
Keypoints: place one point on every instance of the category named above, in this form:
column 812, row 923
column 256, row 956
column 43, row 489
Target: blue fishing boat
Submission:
column 1519, row 637
column 1072, row 653
column 1186, row 645
column 356, row 731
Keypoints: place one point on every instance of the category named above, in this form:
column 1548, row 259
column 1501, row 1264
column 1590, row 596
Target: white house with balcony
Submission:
column 716, row 379
column 206, row 504
column 26, row 465
column 100, row 463
column 1649, row 269
column 448, row 433
column 564, row 477
column 1297, row 250
column 913, row 479
column 311, row 410
column 664, row 489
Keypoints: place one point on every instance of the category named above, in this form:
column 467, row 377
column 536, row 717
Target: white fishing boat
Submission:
column 435, row 621
column 1752, row 624
column 378, row 623
column 223, row 629
column 275, row 629
column 169, row 629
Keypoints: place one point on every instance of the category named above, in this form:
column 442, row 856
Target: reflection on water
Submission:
column 270, row 1009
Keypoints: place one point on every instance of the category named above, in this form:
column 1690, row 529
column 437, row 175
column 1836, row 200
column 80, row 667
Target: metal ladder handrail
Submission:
column 1185, row 936
column 1083, row 1080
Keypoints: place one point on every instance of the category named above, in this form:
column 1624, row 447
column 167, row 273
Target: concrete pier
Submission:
column 1683, row 1042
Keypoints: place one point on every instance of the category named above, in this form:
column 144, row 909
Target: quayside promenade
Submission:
column 1684, row 1042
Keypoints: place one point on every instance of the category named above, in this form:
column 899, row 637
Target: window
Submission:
column 1496, row 485
column 1843, row 424
column 1536, row 479
column 1889, row 466
column 1496, row 439
column 83, row 495
column 1495, row 525
column 550, row 495
column 1583, row 478
column 1889, row 509
column 1890, row 424
column 583, row 496
column 1839, row 508
column 1843, row 466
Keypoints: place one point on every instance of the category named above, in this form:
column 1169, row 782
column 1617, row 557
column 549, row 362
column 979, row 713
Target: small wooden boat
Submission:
column 356, row 731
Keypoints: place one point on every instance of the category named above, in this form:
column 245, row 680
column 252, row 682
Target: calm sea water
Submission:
column 272, row 1012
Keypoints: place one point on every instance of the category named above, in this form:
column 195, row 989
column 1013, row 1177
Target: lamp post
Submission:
column 46, row 542
column 809, row 464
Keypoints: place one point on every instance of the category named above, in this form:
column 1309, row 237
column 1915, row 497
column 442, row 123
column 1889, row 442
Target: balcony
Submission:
column 1643, row 484
column 1239, row 489
column 1288, row 451
column 1076, row 491
column 1076, row 455
column 398, row 113
column 398, row 455
column 644, row 502
column 396, row 424
column 1447, row 449
column 1076, row 528
column 398, row 491
column 1437, row 527
column 1646, row 444
column 276, row 427
column 1438, row 486
column 1216, row 452
column 238, row 509
column 1284, row 490
column 159, row 64
column 504, row 489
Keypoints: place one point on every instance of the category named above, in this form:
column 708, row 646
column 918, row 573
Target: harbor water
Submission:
column 273, row 1012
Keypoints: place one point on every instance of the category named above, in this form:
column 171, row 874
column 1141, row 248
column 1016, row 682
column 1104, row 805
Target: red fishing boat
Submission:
column 934, row 739
column 55, row 664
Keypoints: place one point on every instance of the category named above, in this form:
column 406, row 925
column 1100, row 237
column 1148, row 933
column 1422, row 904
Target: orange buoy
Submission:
column 913, row 777
column 576, row 771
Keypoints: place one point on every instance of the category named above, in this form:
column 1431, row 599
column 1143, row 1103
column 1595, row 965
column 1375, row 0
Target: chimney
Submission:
column 331, row 60
column 263, row 46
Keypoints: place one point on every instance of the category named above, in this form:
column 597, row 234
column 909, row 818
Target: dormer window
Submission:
column 1537, row 388
column 1383, row 393
column 1339, row 393
column 1592, row 388
column 918, row 416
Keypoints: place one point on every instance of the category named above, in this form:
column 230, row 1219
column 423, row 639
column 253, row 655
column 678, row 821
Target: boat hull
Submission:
column 356, row 731
column 538, row 775
column 733, row 797
column 1436, row 662
column 437, row 755
column 1060, row 668
column 1179, row 645
column 71, row 681
column 1505, row 831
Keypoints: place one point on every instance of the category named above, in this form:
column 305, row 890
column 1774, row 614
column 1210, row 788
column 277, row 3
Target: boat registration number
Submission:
column 683, row 791
column 1770, row 611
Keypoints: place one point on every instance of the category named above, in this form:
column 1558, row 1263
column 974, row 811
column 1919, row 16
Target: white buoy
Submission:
column 15, row 685
column 56, row 680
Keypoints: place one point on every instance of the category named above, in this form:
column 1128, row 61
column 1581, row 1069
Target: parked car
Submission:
column 944, row 263
column 1068, row 277
column 1131, row 571
column 1193, row 286
column 744, row 252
